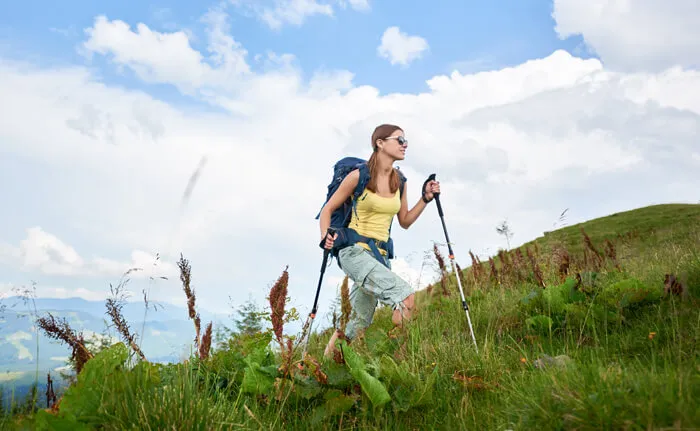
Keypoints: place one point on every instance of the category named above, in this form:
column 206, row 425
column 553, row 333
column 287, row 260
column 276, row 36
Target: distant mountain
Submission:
column 132, row 311
column 166, row 336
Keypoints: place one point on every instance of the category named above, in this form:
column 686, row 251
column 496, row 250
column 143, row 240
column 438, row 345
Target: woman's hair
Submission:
column 381, row 132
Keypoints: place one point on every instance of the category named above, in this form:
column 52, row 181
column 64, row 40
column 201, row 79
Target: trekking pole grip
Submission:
column 436, row 195
column 330, row 231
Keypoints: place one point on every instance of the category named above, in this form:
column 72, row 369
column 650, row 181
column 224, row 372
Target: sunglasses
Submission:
column 401, row 139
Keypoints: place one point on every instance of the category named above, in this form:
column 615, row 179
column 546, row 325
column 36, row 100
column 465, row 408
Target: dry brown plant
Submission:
column 50, row 394
column 60, row 330
column 278, row 299
column 443, row 269
column 611, row 253
column 345, row 306
column 597, row 256
column 476, row 267
column 674, row 286
column 202, row 344
column 507, row 268
column 494, row 272
column 536, row 268
column 114, row 306
column 518, row 265
column 562, row 260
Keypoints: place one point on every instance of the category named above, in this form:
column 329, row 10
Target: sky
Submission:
column 132, row 133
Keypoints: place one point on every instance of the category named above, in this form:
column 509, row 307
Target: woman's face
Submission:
column 395, row 145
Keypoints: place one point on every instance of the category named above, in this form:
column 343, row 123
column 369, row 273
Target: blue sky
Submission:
column 467, row 36
column 98, row 156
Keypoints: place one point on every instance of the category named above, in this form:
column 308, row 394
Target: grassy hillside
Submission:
column 583, row 328
column 638, row 239
column 650, row 226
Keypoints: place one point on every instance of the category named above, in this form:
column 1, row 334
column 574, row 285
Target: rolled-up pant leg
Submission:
column 373, row 283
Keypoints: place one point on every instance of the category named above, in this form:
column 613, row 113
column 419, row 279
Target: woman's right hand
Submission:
column 330, row 240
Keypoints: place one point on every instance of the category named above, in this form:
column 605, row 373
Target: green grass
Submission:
column 633, row 355
column 649, row 225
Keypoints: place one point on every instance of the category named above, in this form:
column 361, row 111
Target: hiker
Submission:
column 367, row 263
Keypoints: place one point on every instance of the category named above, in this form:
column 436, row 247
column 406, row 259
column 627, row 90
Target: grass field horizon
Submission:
column 589, row 326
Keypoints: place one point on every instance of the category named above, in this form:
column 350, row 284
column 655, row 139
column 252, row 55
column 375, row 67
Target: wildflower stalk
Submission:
column 114, row 311
column 202, row 344
column 443, row 269
column 345, row 306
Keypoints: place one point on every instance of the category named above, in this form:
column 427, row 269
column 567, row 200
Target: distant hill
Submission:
column 167, row 333
column 132, row 311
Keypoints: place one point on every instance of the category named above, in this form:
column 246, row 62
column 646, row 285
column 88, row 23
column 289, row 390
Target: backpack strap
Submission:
column 361, row 184
column 402, row 180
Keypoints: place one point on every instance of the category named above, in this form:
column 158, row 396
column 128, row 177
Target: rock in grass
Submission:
column 546, row 361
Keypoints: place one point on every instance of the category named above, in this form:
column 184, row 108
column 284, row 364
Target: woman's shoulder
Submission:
column 352, row 178
column 354, row 175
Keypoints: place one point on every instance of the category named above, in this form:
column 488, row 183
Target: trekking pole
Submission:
column 452, row 261
column 314, row 308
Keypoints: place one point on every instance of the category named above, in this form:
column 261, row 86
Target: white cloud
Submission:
column 634, row 35
column 44, row 253
column 523, row 142
column 169, row 57
column 400, row 48
column 326, row 84
column 293, row 12
column 278, row 13
column 359, row 5
column 473, row 66
column 418, row 274
column 158, row 333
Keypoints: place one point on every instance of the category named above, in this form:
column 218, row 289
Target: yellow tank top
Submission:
column 374, row 215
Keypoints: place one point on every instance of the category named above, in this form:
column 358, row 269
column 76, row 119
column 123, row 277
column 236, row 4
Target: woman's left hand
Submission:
column 431, row 188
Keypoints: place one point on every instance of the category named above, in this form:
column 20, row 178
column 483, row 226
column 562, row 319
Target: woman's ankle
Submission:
column 331, row 344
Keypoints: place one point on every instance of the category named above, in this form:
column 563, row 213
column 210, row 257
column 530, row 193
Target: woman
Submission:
column 376, row 207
